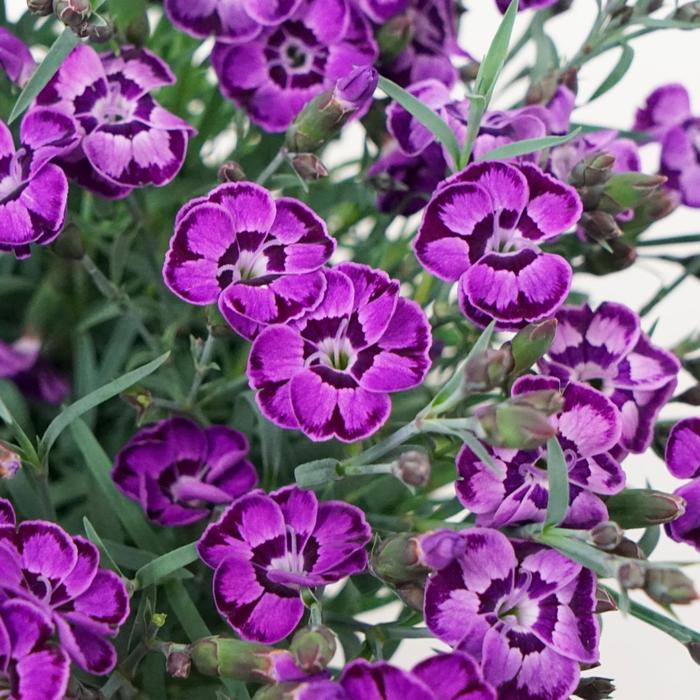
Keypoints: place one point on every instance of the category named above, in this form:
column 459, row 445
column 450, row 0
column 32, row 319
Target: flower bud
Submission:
column 542, row 91
column 440, row 548
column 602, row 262
column 97, row 33
column 629, row 190
column 313, row 648
column 690, row 12
column 309, row 166
column 488, row 369
column 140, row 399
column 606, row 536
column 231, row 172
column 549, row 401
column 357, row 89
column 72, row 12
column 694, row 651
column 412, row 595
column 396, row 560
column 469, row 71
column 592, row 171
column 531, row 343
column 643, row 507
column 600, row 226
column 43, row 8
column 669, row 587
column 10, row 463
column 630, row 549
column 604, row 601
column 395, row 35
column 413, row 468
column 594, row 688
column 631, row 575
column 177, row 659
column 518, row 426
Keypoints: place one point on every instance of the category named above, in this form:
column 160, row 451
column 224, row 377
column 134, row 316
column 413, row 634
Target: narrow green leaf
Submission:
column 475, row 445
column 95, row 398
column 58, row 52
column 654, row 23
column 158, row 569
column 96, row 539
column 616, row 74
column 558, row 478
column 496, row 55
column 650, row 539
column 317, row 473
column 519, row 148
column 429, row 119
column 592, row 558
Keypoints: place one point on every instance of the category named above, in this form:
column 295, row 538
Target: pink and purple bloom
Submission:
column 15, row 58
column 178, row 471
column 607, row 349
column 667, row 117
column 128, row 139
column 265, row 548
column 60, row 575
column 525, row 612
column 33, row 190
column 329, row 372
column 483, row 228
column 516, row 492
column 258, row 257
column 275, row 72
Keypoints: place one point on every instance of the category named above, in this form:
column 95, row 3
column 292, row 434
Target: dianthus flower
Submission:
column 329, row 372
column 265, row 548
column 667, row 117
column 285, row 65
column 257, row 256
column 178, row 471
column 607, row 349
column 34, row 191
column 517, row 490
column 15, row 58
column 128, row 139
column 483, row 228
column 60, row 574
column 525, row 612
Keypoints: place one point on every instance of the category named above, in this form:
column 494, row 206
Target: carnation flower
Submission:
column 525, row 612
column 329, row 372
column 60, row 574
column 608, row 349
column 285, row 65
column 265, row 548
column 128, row 139
column 34, row 191
column 178, row 471
column 482, row 228
column 15, row 58
column 257, row 256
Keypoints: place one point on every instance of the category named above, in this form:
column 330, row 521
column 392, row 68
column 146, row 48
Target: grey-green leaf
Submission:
column 160, row 568
column 496, row 55
column 520, row 148
column 616, row 74
column 558, row 478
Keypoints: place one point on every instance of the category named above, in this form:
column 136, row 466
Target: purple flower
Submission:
column 258, row 257
column 177, row 470
column 15, row 58
column 34, row 376
column 526, row 4
column 517, row 490
column 34, row 191
column 60, row 574
column 265, row 548
column 128, row 139
column 285, row 65
column 31, row 668
column 526, row 612
column 686, row 528
column 328, row 373
column 608, row 349
column 482, row 228
column 454, row 676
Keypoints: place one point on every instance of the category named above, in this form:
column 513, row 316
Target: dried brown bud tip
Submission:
column 413, row 468
column 231, row 172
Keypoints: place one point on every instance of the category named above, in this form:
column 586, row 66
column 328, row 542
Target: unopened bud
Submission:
column 629, row 190
column 140, row 399
column 630, row 549
column 177, row 659
column 469, row 71
column 440, row 548
column 488, row 369
column 395, row 560
column 604, row 601
column 72, row 12
column 355, row 91
column 594, row 688
column 96, row 32
column 518, row 426
column 548, row 401
column 592, row 171
column 313, row 648
column 643, row 507
column 231, row 171
column 531, row 343
column 600, row 226
column 621, row 255
column 69, row 245
column 309, row 166
column 413, row 468
column 412, row 594
column 395, row 35
column 543, row 90
column 42, row 8
column 669, row 587
column 10, row 463
column 607, row 536
column 690, row 12
column 631, row 575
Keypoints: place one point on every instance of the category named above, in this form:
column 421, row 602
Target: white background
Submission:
column 645, row 664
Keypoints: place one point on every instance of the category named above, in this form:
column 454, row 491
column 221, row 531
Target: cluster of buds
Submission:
column 690, row 12
column 77, row 15
column 544, row 89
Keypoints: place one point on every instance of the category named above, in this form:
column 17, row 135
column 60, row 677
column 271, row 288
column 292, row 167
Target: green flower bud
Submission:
column 313, row 648
column 412, row 594
column 413, row 468
column 604, row 601
column 396, row 560
column 233, row 658
column 231, row 172
column 606, row 536
column 488, row 369
column 602, row 262
column 309, row 166
column 594, row 688
column 395, row 35
column 669, row 587
column 631, row 575
column 592, row 171
column 543, row 90
column 518, row 426
column 531, row 343
column 72, row 12
column 177, row 659
column 629, row 190
column 630, row 549
column 600, row 226
column 643, row 507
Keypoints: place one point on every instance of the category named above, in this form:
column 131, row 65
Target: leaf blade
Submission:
column 558, row 478
column 520, row 148
column 616, row 74
column 153, row 572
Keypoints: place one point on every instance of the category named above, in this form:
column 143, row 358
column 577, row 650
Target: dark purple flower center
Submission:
column 295, row 58
column 331, row 346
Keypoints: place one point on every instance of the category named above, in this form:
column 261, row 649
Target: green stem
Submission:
column 272, row 166
column 201, row 369
column 376, row 452
column 692, row 268
column 669, row 240
column 365, row 469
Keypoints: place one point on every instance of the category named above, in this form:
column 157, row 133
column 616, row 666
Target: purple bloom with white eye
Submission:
column 667, row 117
column 34, row 375
column 515, row 489
column 483, row 227
column 329, row 373
column 34, row 191
column 526, row 4
column 15, row 58
column 454, row 676
column 273, row 75
column 60, row 574
column 526, row 612
column 128, row 139
column 31, row 668
column 258, row 257
column 178, row 471
column 607, row 348
column 266, row 547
